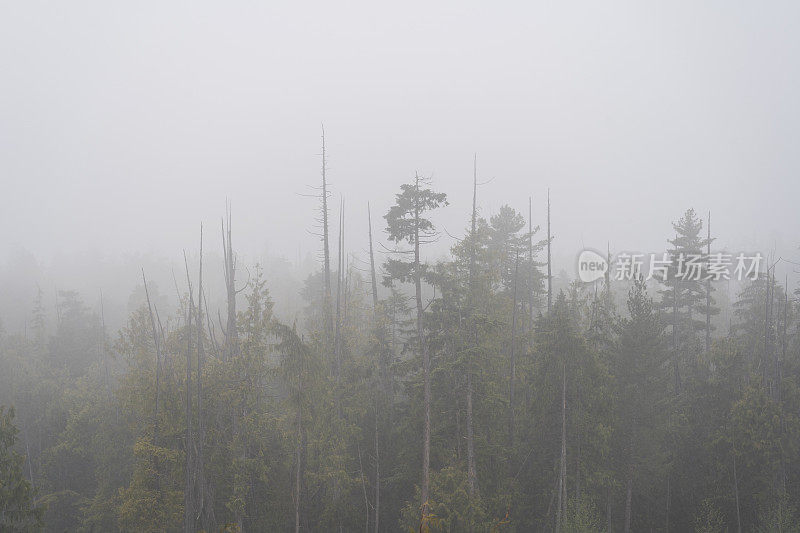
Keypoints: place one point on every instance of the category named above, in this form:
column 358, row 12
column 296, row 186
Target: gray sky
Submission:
column 123, row 125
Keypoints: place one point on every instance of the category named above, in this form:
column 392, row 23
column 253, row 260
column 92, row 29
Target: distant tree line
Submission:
column 459, row 395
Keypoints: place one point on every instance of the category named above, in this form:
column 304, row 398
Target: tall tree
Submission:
column 684, row 293
column 406, row 223
column 189, row 494
column 549, row 259
column 641, row 389
column 231, row 334
column 326, row 254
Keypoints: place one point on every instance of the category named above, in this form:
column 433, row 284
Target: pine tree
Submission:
column 640, row 389
column 406, row 223
column 685, row 298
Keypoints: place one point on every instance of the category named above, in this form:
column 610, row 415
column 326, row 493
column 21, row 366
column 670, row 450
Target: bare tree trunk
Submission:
column 471, row 470
column 325, row 247
column 157, row 346
column 426, row 363
column 531, row 266
column 628, row 497
column 675, row 338
column 562, row 476
column 339, row 283
column 579, row 438
column 188, row 500
column 299, row 458
column 736, row 495
column 783, row 343
column 708, row 290
column 669, row 502
column 767, row 302
column 380, row 370
column 372, row 263
column 513, row 373
column 377, row 475
column 231, row 335
column 364, row 489
column 206, row 507
column 549, row 260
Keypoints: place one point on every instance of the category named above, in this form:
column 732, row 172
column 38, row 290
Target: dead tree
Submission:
column 337, row 346
column 157, row 346
column 530, row 265
column 372, row 263
column 188, row 496
column 379, row 370
column 231, row 334
column 471, row 470
column 326, row 254
column 205, row 502
column 549, row 259
column 513, row 371
column 708, row 289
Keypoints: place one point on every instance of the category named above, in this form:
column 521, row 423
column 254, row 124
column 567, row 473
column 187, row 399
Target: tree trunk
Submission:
column 549, row 259
column 231, row 335
column 562, row 476
column 157, row 346
column 471, row 473
column 531, row 265
column 426, row 363
column 736, row 495
column 628, row 497
column 708, row 290
column 513, row 372
column 675, row 339
column 339, row 281
column 377, row 476
column 326, row 248
column 380, row 371
column 669, row 502
column 206, row 507
column 298, row 473
column 188, row 500
column 373, row 277
column 471, row 470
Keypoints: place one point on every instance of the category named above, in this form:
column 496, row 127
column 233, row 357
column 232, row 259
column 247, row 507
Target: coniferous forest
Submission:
column 465, row 393
column 415, row 267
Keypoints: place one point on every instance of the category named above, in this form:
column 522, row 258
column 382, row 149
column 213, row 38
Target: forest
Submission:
column 466, row 393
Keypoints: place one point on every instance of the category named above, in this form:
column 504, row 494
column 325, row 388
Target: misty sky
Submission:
column 124, row 125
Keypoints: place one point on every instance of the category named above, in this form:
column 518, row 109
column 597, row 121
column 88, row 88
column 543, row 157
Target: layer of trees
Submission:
column 464, row 394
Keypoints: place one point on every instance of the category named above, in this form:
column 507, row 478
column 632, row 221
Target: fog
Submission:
column 125, row 127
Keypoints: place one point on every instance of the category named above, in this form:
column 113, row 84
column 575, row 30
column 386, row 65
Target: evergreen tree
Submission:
column 18, row 510
column 406, row 223
column 685, row 299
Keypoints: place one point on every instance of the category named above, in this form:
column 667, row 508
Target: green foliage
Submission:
column 283, row 434
column 18, row 512
column 582, row 517
column 708, row 518
column 781, row 515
